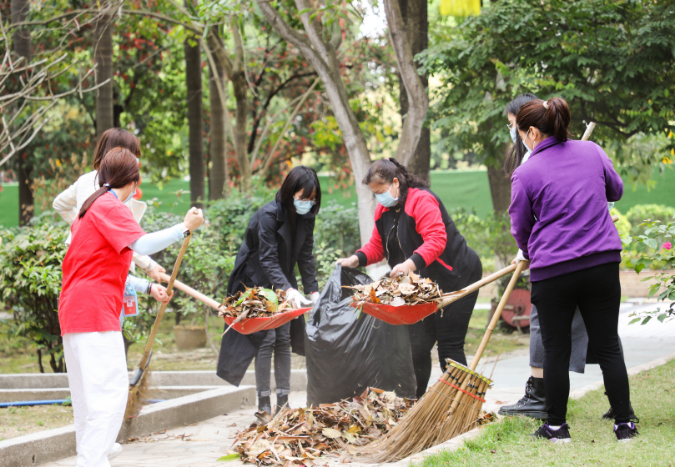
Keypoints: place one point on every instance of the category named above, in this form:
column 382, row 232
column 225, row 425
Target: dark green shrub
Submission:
column 30, row 274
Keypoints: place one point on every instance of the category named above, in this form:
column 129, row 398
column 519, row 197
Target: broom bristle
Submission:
column 432, row 420
column 138, row 395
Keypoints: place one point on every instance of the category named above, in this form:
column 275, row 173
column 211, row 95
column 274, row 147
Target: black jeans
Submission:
column 450, row 332
column 597, row 293
column 277, row 341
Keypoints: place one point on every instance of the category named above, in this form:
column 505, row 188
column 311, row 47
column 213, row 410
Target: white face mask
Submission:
column 130, row 196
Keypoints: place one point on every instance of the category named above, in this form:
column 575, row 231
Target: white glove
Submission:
column 296, row 299
column 314, row 297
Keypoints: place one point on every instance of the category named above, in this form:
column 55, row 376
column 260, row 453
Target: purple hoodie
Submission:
column 559, row 214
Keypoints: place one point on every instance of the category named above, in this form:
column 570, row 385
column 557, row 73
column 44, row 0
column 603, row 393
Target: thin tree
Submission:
column 193, row 80
column 318, row 41
column 103, row 57
column 218, row 174
column 22, row 48
column 416, row 21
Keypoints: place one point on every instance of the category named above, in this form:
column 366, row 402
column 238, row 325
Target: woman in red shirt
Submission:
column 95, row 269
column 414, row 232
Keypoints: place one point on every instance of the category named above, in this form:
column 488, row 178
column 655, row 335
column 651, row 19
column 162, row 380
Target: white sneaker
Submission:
column 115, row 451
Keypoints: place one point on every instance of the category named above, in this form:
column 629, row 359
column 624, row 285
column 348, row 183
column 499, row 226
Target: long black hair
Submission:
column 299, row 178
column 386, row 170
column 513, row 160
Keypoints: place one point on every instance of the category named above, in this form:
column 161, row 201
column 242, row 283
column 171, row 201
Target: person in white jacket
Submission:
column 69, row 202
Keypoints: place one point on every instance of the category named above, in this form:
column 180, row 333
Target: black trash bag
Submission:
column 348, row 351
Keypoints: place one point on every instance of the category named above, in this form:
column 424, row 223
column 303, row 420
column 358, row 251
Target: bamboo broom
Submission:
column 138, row 386
column 449, row 408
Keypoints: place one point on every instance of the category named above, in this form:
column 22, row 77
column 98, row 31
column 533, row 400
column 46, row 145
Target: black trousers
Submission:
column 597, row 293
column 449, row 330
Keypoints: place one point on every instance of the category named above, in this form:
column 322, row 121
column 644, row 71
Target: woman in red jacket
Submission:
column 104, row 237
column 414, row 232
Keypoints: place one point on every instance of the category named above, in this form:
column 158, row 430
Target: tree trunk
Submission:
column 103, row 53
column 218, row 173
column 415, row 17
column 22, row 48
column 193, row 77
column 500, row 184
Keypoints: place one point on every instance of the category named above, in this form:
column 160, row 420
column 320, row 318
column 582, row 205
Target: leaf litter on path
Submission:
column 300, row 436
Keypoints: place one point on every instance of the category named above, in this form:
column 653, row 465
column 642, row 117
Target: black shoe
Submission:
column 609, row 415
column 282, row 403
column 264, row 405
column 625, row 432
column 533, row 403
column 561, row 435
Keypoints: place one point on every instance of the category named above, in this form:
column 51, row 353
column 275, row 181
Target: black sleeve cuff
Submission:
column 418, row 260
column 363, row 259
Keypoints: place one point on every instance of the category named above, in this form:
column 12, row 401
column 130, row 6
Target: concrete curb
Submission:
column 455, row 443
column 158, row 378
column 51, row 445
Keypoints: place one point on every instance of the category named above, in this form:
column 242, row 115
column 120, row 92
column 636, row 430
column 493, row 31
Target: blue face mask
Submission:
column 524, row 143
column 513, row 132
column 385, row 199
column 302, row 207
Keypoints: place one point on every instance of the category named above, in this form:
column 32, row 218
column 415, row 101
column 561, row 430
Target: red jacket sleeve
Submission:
column 373, row 251
column 424, row 208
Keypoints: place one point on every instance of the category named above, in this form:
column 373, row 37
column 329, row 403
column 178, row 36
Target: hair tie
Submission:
column 546, row 104
column 107, row 185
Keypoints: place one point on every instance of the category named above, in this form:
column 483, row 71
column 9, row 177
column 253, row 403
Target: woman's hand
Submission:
column 193, row 219
column 159, row 293
column 351, row 262
column 403, row 268
column 156, row 273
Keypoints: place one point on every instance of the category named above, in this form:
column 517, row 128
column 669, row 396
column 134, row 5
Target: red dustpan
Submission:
column 247, row 326
column 410, row 314
column 251, row 325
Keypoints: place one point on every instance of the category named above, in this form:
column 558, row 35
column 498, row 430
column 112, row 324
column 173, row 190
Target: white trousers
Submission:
column 99, row 386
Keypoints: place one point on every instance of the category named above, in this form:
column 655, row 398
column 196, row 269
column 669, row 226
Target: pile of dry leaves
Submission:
column 256, row 302
column 300, row 436
column 402, row 290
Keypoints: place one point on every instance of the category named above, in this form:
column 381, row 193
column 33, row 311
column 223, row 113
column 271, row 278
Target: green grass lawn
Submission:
column 508, row 443
column 467, row 189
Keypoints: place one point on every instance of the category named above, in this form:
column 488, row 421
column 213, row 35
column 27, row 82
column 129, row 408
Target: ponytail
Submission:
column 386, row 170
column 118, row 168
column 551, row 117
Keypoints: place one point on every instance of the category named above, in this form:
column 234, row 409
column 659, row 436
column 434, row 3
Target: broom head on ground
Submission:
column 452, row 406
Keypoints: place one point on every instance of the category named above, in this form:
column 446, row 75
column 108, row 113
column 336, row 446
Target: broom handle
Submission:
column 498, row 313
column 448, row 298
column 589, row 130
column 192, row 292
column 160, row 313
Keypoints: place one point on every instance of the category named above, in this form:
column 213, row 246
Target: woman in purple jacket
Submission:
column 560, row 221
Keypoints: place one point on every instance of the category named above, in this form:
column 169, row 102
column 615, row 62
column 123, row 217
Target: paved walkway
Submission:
column 203, row 443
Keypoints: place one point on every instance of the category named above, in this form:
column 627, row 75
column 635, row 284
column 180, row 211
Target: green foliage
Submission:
column 653, row 212
column 612, row 62
column 489, row 236
column 30, row 274
column 655, row 244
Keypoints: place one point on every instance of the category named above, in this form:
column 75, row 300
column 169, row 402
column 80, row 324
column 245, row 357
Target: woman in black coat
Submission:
column 279, row 236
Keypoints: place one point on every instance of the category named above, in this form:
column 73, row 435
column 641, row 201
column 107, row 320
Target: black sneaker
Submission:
column 609, row 415
column 561, row 435
column 625, row 432
column 533, row 403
